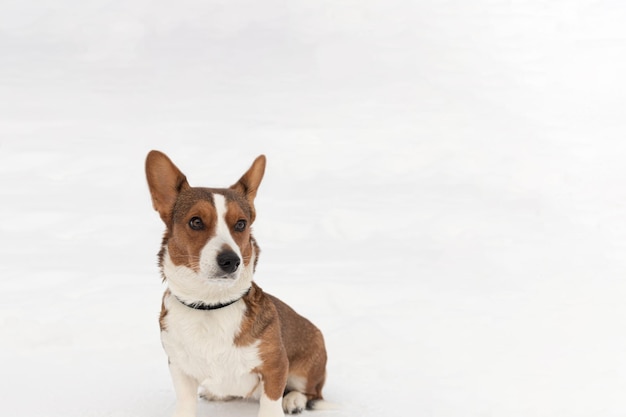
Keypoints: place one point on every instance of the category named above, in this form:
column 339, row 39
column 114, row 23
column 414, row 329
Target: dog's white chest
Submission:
column 201, row 344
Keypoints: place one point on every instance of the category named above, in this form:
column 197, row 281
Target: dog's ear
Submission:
column 249, row 183
column 165, row 182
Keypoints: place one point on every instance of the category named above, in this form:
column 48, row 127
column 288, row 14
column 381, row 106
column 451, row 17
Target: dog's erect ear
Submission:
column 165, row 182
column 249, row 183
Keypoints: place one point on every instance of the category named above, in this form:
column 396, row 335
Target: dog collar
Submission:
column 206, row 307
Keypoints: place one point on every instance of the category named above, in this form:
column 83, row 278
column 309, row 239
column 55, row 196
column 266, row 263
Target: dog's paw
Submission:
column 270, row 408
column 294, row 402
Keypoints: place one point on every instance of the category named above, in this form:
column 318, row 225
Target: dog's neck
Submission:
column 203, row 306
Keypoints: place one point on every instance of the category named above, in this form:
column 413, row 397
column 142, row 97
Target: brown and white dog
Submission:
column 221, row 332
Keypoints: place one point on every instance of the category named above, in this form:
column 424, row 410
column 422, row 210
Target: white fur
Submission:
column 200, row 346
column 186, row 388
column 191, row 286
column 270, row 408
column 296, row 383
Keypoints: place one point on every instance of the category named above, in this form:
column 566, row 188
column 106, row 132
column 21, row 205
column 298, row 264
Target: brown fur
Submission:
column 305, row 348
column 301, row 352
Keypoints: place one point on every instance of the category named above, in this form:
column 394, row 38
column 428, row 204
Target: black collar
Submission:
column 202, row 306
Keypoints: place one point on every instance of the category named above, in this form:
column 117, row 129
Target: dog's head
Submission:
column 208, row 253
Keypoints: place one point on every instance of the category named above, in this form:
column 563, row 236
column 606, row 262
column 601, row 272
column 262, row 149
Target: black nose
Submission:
column 228, row 261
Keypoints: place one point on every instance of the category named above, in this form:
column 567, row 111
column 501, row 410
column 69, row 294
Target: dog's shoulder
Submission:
column 261, row 319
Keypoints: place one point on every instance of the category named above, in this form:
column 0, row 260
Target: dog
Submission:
column 223, row 335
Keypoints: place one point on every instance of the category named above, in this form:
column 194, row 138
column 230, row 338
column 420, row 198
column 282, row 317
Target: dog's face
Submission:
column 208, row 252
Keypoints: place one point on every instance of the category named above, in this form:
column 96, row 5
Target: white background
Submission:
column 444, row 198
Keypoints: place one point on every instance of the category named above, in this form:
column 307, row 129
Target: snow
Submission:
column 444, row 195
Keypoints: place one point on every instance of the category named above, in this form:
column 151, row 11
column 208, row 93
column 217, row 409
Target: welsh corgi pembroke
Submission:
column 224, row 336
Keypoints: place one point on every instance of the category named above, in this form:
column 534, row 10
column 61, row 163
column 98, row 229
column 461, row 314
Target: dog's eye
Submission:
column 196, row 223
column 240, row 226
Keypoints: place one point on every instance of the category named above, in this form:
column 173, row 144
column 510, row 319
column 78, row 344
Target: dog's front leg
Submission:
column 186, row 388
column 270, row 407
column 274, row 378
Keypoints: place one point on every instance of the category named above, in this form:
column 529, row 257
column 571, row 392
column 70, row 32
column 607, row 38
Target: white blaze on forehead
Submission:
column 222, row 231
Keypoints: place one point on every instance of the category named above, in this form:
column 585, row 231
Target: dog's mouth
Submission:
column 222, row 277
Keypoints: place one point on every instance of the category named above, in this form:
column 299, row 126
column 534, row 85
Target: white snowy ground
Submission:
column 445, row 195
